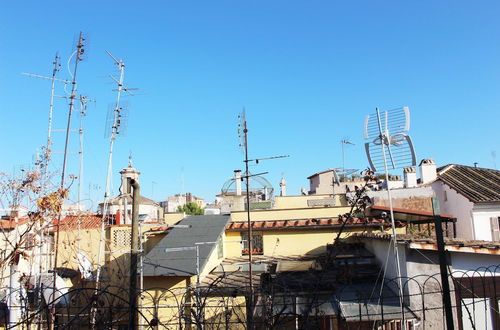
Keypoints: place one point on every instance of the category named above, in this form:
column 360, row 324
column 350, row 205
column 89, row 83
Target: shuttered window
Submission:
column 257, row 243
column 495, row 228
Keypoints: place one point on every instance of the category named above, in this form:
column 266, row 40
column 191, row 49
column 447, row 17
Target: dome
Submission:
column 257, row 186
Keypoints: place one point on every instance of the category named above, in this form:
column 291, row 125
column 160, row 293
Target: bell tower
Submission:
column 128, row 174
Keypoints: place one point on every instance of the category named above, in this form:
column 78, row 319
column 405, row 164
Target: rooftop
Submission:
column 304, row 224
column 429, row 243
column 203, row 228
column 479, row 185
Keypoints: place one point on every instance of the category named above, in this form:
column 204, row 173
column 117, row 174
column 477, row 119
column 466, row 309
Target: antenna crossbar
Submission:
column 44, row 77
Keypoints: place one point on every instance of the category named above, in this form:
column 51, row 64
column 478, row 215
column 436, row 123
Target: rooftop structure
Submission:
column 202, row 228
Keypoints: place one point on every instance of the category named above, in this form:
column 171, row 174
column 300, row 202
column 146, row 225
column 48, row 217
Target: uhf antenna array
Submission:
column 116, row 118
column 72, row 98
column 387, row 131
column 243, row 137
column 43, row 163
column 116, row 124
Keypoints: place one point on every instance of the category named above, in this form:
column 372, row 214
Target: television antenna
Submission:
column 116, row 122
column 79, row 51
column 117, row 118
column 243, row 138
column 344, row 142
column 44, row 163
column 387, row 131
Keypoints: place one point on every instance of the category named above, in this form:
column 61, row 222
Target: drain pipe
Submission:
column 134, row 251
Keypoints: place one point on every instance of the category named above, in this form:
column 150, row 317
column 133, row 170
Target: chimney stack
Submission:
column 237, row 181
column 410, row 177
column 428, row 171
column 283, row 187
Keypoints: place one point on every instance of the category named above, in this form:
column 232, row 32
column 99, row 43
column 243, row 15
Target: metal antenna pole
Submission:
column 134, row 245
column 250, row 236
column 83, row 112
column 79, row 51
column 384, row 139
column 51, row 108
column 448, row 307
column 53, row 79
column 343, row 158
column 115, row 129
column 243, row 128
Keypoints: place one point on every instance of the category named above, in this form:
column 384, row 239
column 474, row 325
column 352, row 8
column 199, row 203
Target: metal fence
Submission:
column 343, row 305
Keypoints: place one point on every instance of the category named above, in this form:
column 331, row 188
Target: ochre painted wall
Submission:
column 295, row 202
column 289, row 214
column 294, row 242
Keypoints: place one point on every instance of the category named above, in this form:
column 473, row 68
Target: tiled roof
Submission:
column 201, row 228
column 302, row 224
column 11, row 224
column 459, row 245
column 73, row 222
column 160, row 228
column 479, row 185
column 318, row 173
column 409, row 211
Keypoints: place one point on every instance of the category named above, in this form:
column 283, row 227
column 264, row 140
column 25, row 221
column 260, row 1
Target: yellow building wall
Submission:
column 295, row 202
column 71, row 242
column 289, row 214
column 173, row 218
column 296, row 242
column 164, row 298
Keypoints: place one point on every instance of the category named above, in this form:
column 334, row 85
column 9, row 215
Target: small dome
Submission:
column 257, row 186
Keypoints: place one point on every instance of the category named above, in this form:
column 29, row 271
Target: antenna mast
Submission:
column 83, row 113
column 342, row 143
column 243, row 135
column 79, row 52
column 48, row 148
column 388, row 132
column 114, row 131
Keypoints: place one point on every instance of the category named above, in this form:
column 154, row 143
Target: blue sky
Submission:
column 306, row 71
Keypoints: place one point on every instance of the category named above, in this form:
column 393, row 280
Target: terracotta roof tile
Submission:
column 479, row 185
column 72, row 222
column 302, row 224
column 11, row 224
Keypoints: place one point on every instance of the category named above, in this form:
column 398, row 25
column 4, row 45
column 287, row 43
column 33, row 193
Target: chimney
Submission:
column 283, row 187
column 410, row 177
column 427, row 171
column 237, row 181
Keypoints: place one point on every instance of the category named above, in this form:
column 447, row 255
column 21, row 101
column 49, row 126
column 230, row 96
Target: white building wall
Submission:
column 475, row 264
column 322, row 183
column 460, row 207
column 150, row 210
column 384, row 253
column 481, row 215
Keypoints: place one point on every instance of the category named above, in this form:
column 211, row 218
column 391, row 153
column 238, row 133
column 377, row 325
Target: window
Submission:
column 257, row 243
column 220, row 248
column 30, row 241
column 495, row 228
column 122, row 237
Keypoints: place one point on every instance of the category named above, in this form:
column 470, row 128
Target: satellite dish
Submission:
column 84, row 265
column 387, row 132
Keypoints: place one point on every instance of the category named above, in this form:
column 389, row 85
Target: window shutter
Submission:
column 495, row 230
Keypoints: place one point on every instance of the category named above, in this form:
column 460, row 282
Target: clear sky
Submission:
column 306, row 71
